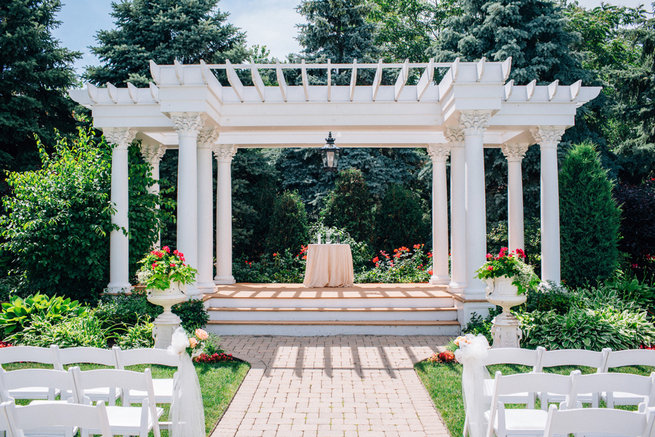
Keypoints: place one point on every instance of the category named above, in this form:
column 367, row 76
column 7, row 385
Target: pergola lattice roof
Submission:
column 413, row 111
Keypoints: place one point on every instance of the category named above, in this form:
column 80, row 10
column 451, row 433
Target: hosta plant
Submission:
column 511, row 265
column 162, row 267
column 18, row 313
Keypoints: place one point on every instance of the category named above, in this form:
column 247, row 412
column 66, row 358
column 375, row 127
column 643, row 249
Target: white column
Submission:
column 457, row 210
column 439, row 154
column 119, row 247
column 514, row 154
column 153, row 153
column 188, row 125
column 474, row 123
column 206, row 140
column 548, row 138
column 224, row 154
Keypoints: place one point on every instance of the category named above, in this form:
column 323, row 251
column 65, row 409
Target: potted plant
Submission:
column 508, row 278
column 165, row 274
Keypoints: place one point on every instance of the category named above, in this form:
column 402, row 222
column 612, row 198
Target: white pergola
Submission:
column 471, row 106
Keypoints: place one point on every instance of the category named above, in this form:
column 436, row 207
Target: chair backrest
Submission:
column 132, row 357
column 574, row 357
column 4, row 421
column 48, row 378
column 30, row 354
column 88, row 355
column 512, row 355
column 532, row 383
column 114, row 378
column 60, row 416
column 631, row 357
column 612, row 382
column 596, row 421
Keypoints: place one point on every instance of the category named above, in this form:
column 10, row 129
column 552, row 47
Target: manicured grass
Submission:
column 218, row 383
column 444, row 383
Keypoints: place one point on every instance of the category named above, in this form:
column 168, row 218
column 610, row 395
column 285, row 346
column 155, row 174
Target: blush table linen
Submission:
column 329, row 265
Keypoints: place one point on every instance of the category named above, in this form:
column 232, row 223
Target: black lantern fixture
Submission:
column 330, row 154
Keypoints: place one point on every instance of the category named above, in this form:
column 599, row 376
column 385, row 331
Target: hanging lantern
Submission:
column 330, row 154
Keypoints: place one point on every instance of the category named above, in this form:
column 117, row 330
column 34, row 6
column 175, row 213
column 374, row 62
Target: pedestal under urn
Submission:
column 167, row 322
column 505, row 329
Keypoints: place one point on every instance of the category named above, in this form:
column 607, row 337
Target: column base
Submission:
column 439, row 280
column 506, row 331
column 465, row 310
column 457, row 287
column 224, row 280
column 193, row 292
column 205, row 287
column 118, row 287
column 164, row 326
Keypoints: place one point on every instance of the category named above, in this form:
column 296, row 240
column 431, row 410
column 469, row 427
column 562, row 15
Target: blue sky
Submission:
column 266, row 22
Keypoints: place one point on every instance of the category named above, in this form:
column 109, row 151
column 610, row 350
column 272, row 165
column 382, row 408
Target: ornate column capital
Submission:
column 122, row 137
column 455, row 136
column 548, row 136
column 188, row 123
column 224, row 152
column 207, row 137
column 474, row 122
column 514, row 151
column 153, row 153
column 438, row 152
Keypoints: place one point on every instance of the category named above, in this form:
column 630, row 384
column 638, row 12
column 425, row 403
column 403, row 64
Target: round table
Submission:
column 329, row 265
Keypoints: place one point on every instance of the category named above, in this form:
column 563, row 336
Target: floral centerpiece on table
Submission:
column 162, row 267
column 510, row 265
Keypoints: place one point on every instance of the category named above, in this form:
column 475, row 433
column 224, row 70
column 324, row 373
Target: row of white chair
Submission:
column 63, row 419
column 117, row 358
column 76, row 385
column 598, row 421
column 573, row 389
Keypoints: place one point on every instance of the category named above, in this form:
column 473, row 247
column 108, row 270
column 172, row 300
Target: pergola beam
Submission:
column 281, row 81
column 377, row 80
column 401, row 80
column 234, row 80
column 353, row 80
column 258, row 82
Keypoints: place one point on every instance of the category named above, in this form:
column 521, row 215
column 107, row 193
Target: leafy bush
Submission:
column 637, row 218
column 193, row 314
column 82, row 330
column 552, row 297
column 482, row 325
column 136, row 336
column 633, row 290
column 405, row 265
column 288, row 229
column 278, row 267
column 400, row 219
column 59, row 219
column 19, row 313
column 586, row 328
column 589, row 218
column 350, row 207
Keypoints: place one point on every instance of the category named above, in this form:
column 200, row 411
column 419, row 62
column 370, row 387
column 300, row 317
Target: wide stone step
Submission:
column 332, row 313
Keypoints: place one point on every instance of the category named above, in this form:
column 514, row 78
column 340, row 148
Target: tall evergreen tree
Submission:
column 337, row 30
column 589, row 218
column 163, row 30
column 35, row 72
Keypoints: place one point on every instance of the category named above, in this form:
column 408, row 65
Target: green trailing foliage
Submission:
column 589, row 218
column 401, row 219
column 19, row 313
column 288, row 224
column 349, row 206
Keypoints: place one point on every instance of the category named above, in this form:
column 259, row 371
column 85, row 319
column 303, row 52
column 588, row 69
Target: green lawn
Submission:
column 218, row 383
column 444, row 383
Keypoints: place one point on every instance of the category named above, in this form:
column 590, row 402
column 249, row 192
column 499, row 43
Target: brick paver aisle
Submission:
column 332, row 386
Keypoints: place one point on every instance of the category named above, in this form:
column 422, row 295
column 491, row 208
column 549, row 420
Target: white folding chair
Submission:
column 603, row 421
column 30, row 354
column 641, row 388
column 631, row 357
column 91, row 355
column 4, row 421
column 62, row 419
column 125, row 419
column 507, row 422
column 52, row 381
column 572, row 357
column 163, row 386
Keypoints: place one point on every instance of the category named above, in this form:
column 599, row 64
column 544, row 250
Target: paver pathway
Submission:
column 351, row 385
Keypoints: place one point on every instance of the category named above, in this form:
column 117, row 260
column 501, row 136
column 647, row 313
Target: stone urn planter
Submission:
column 505, row 329
column 166, row 322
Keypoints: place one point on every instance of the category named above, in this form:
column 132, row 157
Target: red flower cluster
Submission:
column 5, row 344
column 442, row 357
column 418, row 246
column 643, row 346
column 214, row 358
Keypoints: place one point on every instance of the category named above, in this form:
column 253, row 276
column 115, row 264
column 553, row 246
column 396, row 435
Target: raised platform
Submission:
column 292, row 309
